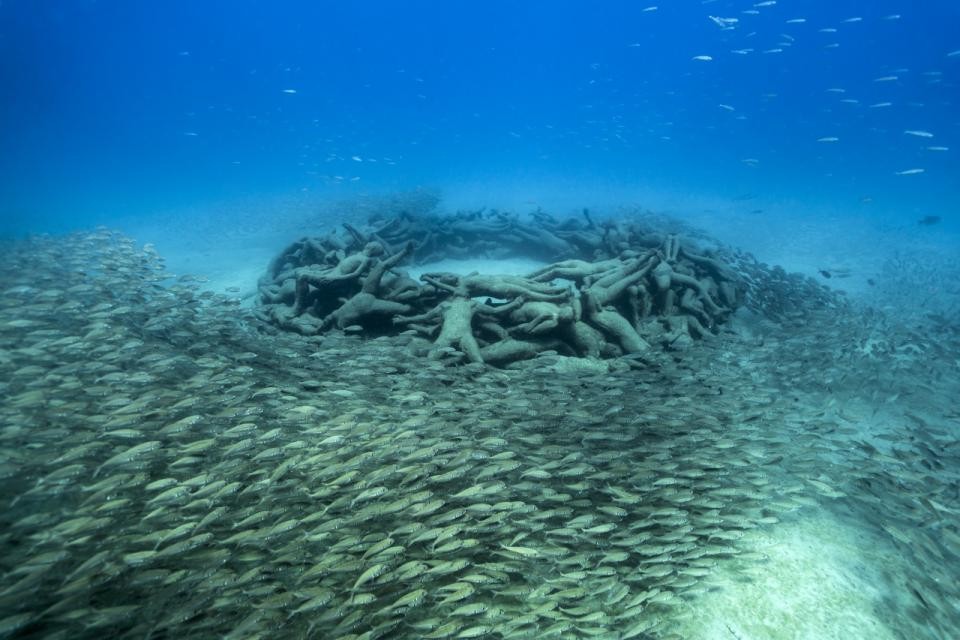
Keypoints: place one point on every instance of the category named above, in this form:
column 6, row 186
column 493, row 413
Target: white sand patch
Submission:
column 232, row 271
column 510, row 266
column 819, row 584
column 235, row 278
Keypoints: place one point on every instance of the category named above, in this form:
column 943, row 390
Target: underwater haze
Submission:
column 120, row 109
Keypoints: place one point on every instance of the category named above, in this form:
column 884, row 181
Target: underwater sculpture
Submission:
column 613, row 289
column 455, row 317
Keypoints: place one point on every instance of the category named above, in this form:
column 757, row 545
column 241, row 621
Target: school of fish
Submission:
column 171, row 468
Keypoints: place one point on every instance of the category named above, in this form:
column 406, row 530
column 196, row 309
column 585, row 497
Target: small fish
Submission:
column 828, row 139
column 600, row 528
column 796, row 20
column 648, row 9
column 129, row 455
column 929, row 220
column 472, row 609
column 726, row 107
column 851, row 20
column 918, row 133
column 881, row 104
column 369, row 494
column 289, row 91
column 938, row 148
column 526, row 552
column 886, row 78
column 702, row 58
column 724, row 23
column 825, row 273
column 909, row 172
column 370, row 574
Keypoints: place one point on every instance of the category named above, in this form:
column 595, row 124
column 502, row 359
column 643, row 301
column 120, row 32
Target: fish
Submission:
column 373, row 572
column 130, row 454
column 472, row 609
column 909, row 172
column 919, row 133
column 828, row 139
column 724, row 23
column 515, row 503
column 702, row 58
column 929, row 220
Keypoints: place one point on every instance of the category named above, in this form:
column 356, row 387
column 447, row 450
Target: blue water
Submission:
column 116, row 109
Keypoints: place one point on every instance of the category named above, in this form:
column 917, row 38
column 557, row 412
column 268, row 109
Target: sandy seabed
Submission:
column 831, row 569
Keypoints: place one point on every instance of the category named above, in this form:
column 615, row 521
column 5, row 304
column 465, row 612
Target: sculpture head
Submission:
column 373, row 249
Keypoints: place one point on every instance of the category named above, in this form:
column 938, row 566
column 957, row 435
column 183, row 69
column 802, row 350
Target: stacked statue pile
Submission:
column 611, row 288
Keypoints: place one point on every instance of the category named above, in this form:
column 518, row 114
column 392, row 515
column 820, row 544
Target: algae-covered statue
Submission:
column 611, row 289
